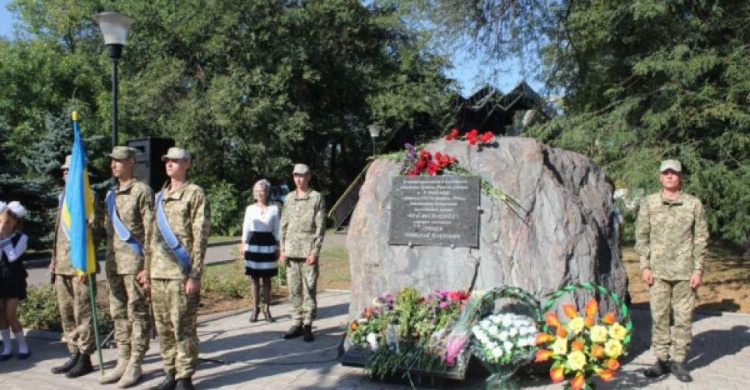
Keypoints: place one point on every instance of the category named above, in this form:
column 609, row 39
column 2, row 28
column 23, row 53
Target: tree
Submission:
column 643, row 81
column 248, row 87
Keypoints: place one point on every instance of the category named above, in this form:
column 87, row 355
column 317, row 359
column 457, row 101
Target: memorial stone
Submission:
column 563, row 230
column 435, row 210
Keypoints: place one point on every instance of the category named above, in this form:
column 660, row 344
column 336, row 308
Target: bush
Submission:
column 40, row 310
column 280, row 279
column 231, row 284
column 226, row 216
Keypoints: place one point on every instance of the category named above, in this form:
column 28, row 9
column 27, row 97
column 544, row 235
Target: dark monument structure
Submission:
column 487, row 109
column 148, row 165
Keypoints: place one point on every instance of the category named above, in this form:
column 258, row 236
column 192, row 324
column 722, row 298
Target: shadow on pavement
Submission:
column 716, row 344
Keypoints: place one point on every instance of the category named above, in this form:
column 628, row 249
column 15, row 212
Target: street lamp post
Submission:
column 374, row 133
column 114, row 27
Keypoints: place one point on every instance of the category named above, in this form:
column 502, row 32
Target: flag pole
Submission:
column 96, row 325
column 94, row 316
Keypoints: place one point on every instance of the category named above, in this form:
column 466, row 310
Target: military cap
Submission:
column 122, row 153
column 300, row 169
column 670, row 164
column 175, row 153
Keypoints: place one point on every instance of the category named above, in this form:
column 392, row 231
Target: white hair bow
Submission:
column 17, row 209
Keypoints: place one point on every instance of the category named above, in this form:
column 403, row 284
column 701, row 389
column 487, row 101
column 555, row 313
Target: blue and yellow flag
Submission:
column 78, row 208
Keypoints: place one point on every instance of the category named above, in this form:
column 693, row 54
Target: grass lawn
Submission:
column 225, row 286
column 213, row 239
column 726, row 280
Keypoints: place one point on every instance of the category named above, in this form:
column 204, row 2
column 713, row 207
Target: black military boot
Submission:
column 680, row 372
column 293, row 332
column 307, row 334
column 185, row 384
column 168, row 383
column 658, row 370
column 83, row 366
column 65, row 367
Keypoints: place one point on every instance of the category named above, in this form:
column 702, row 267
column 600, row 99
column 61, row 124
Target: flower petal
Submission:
column 578, row 381
column 592, row 306
column 570, row 310
column 557, row 374
column 551, row 319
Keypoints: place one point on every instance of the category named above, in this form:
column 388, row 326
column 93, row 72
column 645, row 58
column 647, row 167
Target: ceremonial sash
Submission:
column 120, row 228
column 60, row 207
column 172, row 242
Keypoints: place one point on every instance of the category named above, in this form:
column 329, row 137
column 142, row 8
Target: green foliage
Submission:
column 226, row 215
column 249, row 87
column 39, row 310
column 642, row 82
column 657, row 80
column 229, row 283
column 280, row 279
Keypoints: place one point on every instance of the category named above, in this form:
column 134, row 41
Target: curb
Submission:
column 44, row 261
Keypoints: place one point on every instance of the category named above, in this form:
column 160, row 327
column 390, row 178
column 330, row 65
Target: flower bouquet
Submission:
column 417, row 161
column 584, row 346
column 504, row 342
column 406, row 331
column 478, row 321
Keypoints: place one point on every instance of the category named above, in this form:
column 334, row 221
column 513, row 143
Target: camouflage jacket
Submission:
column 303, row 225
column 189, row 216
column 134, row 203
column 671, row 236
column 61, row 248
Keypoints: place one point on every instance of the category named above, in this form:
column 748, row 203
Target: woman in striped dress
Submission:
column 260, row 238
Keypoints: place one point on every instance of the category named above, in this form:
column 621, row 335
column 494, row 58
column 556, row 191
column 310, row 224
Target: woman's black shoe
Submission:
column 267, row 314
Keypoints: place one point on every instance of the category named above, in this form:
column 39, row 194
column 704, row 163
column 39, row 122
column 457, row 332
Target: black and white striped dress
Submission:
column 260, row 231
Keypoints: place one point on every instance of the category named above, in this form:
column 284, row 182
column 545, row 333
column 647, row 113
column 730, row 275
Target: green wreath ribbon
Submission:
column 628, row 323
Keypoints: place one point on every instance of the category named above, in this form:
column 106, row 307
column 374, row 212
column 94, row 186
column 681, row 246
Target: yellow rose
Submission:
column 598, row 334
column 560, row 346
column 576, row 360
column 618, row 332
column 576, row 325
column 613, row 348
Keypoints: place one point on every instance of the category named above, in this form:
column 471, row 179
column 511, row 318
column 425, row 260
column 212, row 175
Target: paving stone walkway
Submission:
column 238, row 355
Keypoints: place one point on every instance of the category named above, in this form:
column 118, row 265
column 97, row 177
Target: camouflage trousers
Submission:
column 130, row 314
column 75, row 313
column 303, row 280
column 677, row 297
column 175, row 315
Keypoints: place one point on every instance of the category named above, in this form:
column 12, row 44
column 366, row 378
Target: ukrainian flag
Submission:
column 78, row 207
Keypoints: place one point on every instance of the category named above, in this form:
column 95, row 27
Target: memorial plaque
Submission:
column 435, row 210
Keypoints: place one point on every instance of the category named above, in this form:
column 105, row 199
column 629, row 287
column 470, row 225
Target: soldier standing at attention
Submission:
column 174, row 269
column 73, row 295
column 300, row 239
column 671, row 236
column 129, row 223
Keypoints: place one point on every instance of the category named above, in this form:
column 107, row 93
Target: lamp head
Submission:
column 374, row 130
column 114, row 27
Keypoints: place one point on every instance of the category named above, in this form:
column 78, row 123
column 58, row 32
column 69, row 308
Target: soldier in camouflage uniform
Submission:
column 671, row 238
column 300, row 239
column 72, row 298
column 175, row 288
column 134, row 207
